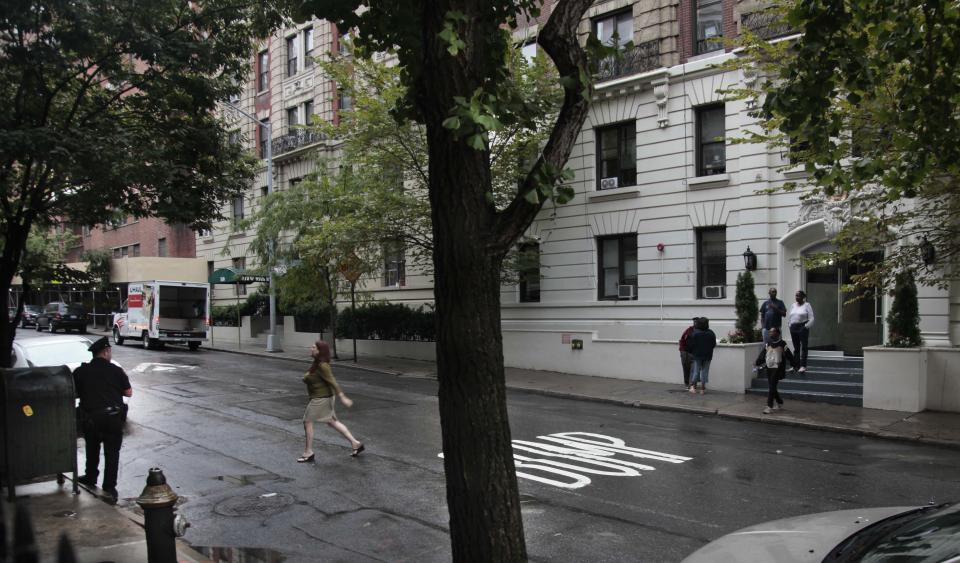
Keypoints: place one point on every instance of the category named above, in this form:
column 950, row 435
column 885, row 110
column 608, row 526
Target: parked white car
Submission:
column 917, row 534
column 68, row 350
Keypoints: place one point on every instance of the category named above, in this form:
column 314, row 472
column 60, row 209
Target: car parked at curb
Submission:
column 905, row 533
column 66, row 316
column 29, row 316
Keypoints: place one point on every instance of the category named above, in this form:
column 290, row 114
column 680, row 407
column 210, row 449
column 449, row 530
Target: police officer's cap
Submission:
column 99, row 345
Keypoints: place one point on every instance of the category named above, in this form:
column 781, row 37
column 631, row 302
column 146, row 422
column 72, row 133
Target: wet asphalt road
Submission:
column 226, row 430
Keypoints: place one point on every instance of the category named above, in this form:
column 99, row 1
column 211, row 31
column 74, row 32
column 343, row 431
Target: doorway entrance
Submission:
column 844, row 320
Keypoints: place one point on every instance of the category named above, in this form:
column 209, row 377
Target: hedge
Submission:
column 387, row 321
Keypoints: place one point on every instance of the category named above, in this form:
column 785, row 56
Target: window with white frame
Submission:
column 263, row 71
column 293, row 63
column 292, row 118
column 614, row 30
column 709, row 23
column 617, row 156
column 308, row 47
column 711, row 140
column 528, row 266
column 237, row 210
column 617, row 266
column 308, row 112
column 394, row 274
column 162, row 247
column 711, row 262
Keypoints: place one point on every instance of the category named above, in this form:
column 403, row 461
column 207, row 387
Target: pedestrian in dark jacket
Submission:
column 774, row 357
column 686, row 359
column 701, row 345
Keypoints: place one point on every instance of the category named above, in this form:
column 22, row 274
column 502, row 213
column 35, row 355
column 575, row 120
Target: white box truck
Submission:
column 157, row 312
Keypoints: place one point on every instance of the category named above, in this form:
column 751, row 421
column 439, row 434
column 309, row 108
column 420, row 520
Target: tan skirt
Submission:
column 319, row 410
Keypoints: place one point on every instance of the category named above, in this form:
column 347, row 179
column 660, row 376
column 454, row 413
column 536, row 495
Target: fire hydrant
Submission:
column 157, row 501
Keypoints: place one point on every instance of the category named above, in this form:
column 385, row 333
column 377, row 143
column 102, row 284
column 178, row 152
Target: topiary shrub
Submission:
column 903, row 320
column 747, row 310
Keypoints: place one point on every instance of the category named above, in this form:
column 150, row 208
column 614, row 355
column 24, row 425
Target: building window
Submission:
column 263, row 71
column 709, row 25
column 240, row 264
column 342, row 44
column 125, row 251
column 529, row 269
column 292, row 56
column 135, row 250
column 308, row 47
column 210, row 269
column 292, row 119
column 237, row 210
column 233, row 137
column 264, row 138
column 618, row 266
column 393, row 264
column 162, row 247
column 263, row 192
column 344, row 101
column 86, row 230
column 116, row 252
column 711, row 262
column 308, row 113
column 617, row 156
column 711, row 131
column 615, row 29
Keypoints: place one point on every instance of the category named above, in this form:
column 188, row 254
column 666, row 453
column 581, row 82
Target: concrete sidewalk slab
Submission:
column 97, row 531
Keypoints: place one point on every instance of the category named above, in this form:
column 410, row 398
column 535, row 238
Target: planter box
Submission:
column 895, row 379
column 732, row 367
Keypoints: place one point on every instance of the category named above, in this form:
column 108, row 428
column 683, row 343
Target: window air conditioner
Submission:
column 609, row 183
column 713, row 292
column 626, row 291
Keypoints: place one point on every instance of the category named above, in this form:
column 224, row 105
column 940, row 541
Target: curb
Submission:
column 880, row 434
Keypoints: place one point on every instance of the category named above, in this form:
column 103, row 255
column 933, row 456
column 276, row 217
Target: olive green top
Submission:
column 321, row 383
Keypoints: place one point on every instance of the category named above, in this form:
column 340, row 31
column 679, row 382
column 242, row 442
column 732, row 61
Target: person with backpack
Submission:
column 774, row 358
column 701, row 345
column 686, row 359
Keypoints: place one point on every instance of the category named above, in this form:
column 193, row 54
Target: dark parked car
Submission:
column 66, row 316
column 29, row 315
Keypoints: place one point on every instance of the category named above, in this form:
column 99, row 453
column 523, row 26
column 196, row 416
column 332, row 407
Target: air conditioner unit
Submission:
column 609, row 183
column 713, row 292
column 626, row 291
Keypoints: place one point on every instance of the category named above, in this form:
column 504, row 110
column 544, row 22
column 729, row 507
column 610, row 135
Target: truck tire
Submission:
column 193, row 346
column 117, row 339
column 145, row 338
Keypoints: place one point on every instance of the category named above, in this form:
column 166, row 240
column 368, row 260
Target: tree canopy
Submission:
column 109, row 106
column 866, row 99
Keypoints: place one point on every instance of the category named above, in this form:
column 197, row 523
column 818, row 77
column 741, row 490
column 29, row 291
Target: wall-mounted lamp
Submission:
column 749, row 260
column 660, row 247
column 927, row 252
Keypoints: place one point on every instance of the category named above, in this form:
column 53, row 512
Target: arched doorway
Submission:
column 846, row 321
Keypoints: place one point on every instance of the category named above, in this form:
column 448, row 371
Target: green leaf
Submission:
column 452, row 123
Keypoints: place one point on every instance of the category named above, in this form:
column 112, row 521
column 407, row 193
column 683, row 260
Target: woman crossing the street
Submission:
column 324, row 390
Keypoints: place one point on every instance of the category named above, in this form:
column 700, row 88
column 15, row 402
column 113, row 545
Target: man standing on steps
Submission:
column 101, row 386
column 771, row 314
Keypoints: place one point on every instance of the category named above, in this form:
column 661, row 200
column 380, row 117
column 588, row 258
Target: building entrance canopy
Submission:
column 236, row 276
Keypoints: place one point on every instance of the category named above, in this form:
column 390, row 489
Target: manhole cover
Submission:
column 257, row 505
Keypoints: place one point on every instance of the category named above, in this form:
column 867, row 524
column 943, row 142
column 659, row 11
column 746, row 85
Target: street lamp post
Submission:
column 268, row 156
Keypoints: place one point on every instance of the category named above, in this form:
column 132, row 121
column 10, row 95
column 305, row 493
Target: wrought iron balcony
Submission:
column 766, row 24
column 641, row 58
column 296, row 139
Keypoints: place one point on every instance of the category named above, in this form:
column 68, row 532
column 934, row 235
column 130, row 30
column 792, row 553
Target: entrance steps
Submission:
column 829, row 378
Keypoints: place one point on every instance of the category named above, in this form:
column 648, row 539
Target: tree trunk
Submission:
column 482, row 493
column 14, row 243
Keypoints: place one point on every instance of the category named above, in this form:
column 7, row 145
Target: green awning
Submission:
column 235, row 276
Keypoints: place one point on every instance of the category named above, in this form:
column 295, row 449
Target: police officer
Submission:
column 101, row 387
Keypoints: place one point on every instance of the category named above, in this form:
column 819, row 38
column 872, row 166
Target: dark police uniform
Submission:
column 100, row 385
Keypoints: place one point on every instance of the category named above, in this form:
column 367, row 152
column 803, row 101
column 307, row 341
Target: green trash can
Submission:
column 39, row 437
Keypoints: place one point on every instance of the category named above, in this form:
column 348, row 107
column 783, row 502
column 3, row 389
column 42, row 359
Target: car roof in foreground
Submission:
column 51, row 341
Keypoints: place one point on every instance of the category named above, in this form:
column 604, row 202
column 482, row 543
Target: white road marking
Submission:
column 154, row 366
column 581, row 453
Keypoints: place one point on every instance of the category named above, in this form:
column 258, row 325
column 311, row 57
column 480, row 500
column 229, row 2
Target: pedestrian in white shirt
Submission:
column 800, row 318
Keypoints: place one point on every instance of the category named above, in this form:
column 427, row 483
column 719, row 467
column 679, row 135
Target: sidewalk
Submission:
column 938, row 428
column 97, row 531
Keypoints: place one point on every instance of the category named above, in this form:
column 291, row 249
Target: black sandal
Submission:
column 306, row 459
column 356, row 451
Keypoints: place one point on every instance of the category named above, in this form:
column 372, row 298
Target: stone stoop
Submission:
column 828, row 379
